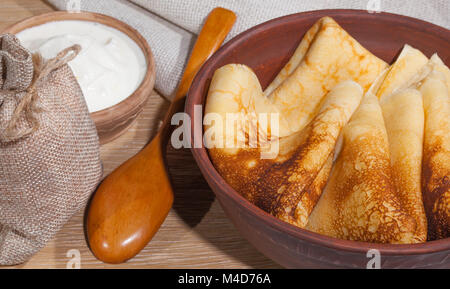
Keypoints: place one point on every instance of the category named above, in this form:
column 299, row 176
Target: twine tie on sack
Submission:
column 28, row 104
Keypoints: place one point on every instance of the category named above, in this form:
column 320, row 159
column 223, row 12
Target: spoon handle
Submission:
column 213, row 33
column 132, row 202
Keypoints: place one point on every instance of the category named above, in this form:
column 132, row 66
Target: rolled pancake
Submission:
column 281, row 187
column 404, row 119
column 402, row 108
column 407, row 70
column 436, row 155
column 235, row 89
column 326, row 56
column 289, row 185
column 359, row 201
column 438, row 65
column 296, row 58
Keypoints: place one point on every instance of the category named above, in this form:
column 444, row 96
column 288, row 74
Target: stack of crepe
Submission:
column 352, row 135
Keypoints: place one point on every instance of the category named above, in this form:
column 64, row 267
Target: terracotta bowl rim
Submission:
column 201, row 155
column 133, row 101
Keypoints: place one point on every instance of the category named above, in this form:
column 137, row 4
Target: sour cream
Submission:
column 110, row 67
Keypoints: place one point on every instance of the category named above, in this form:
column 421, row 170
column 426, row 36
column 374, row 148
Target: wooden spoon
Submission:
column 133, row 201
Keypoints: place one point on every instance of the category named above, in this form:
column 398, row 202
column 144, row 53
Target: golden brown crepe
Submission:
column 296, row 58
column 290, row 185
column 407, row 70
column 436, row 155
column 403, row 114
column 235, row 89
column 439, row 65
column 326, row 56
column 359, row 201
column 281, row 187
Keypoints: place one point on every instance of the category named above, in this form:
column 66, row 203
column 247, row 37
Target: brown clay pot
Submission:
column 266, row 48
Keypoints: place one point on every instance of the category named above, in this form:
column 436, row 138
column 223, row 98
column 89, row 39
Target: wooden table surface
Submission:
column 196, row 234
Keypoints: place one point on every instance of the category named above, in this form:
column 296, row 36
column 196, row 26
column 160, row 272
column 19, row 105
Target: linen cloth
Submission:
column 170, row 26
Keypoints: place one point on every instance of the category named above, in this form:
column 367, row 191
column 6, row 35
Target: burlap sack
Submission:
column 49, row 149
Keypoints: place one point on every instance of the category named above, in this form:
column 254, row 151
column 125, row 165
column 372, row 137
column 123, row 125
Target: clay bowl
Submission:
column 266, row 48
column 114, row 120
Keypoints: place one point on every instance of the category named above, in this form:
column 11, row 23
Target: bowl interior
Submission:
column 122, row 108
column 267, row 47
